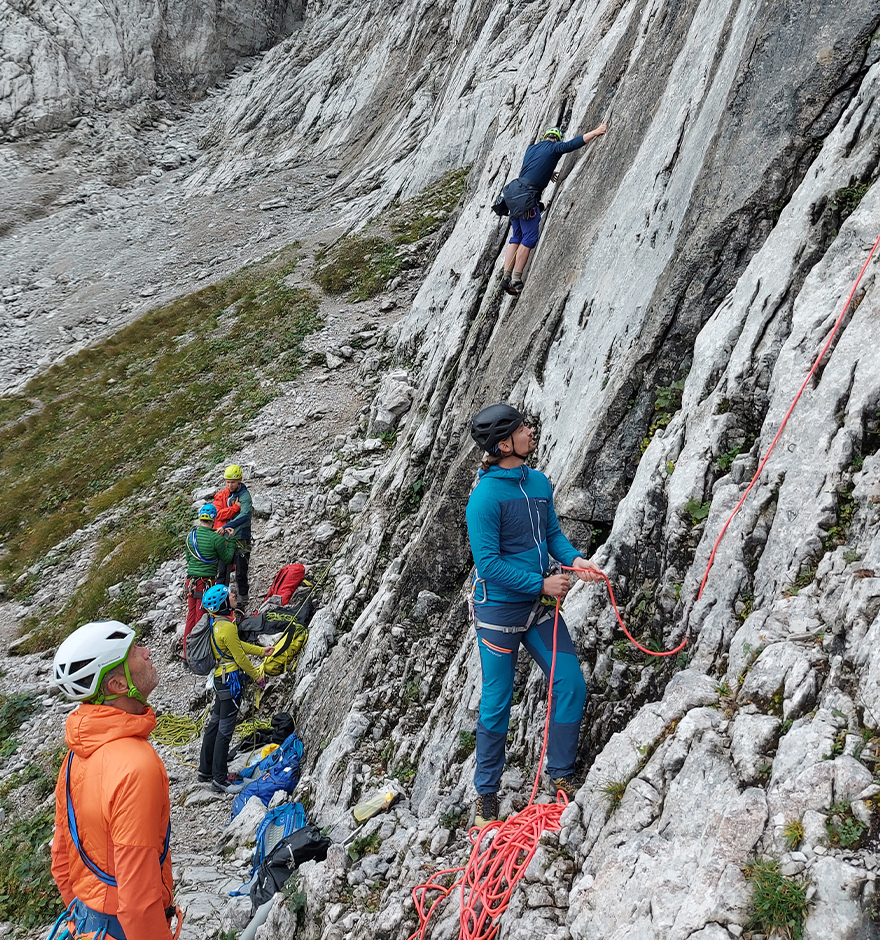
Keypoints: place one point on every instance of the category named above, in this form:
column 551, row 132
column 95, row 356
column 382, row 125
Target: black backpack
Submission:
column 300, row 846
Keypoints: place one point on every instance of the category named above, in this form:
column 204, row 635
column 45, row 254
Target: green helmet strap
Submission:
column 133, row 691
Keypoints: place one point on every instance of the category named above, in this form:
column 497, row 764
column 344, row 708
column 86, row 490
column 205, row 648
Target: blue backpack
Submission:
column 278, row 771
column 277, row 825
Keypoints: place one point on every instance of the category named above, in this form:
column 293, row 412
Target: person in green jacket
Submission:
column 205, row 550
column 228, row 684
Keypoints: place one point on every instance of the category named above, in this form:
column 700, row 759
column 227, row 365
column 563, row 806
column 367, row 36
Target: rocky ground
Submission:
column 295, row 452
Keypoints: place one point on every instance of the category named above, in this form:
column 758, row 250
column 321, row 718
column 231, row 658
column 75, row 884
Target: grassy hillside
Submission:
column 102, row 430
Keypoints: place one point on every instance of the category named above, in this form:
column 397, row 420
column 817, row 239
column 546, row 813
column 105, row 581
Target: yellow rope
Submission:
column 178, row 730
column 252, row 725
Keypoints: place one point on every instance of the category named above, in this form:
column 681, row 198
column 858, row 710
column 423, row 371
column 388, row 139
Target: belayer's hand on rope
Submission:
column 594, row 573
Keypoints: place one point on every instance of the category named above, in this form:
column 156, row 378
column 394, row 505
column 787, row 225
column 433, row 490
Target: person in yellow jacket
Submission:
column 232, row 655
column 110, row 855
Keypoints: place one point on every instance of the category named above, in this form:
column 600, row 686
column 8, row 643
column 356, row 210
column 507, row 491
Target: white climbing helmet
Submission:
column 87, row 655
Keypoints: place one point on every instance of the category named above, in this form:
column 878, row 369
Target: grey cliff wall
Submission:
column 701, row 242
column 704, row 247
column 61, row 59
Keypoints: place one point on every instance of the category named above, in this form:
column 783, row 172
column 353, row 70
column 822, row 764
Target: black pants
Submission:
column 242, row 561
column 214, row 758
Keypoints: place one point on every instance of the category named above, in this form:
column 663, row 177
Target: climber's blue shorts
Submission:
column 524, row 228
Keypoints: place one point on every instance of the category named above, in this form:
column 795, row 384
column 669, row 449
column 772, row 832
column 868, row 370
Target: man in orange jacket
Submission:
column 110, row 855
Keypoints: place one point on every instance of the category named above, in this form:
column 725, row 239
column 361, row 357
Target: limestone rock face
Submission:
column 60, row 58
column 691, row 266
column 689, row 270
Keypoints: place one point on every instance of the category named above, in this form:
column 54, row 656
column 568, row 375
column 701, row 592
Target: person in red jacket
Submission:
column 110, row 857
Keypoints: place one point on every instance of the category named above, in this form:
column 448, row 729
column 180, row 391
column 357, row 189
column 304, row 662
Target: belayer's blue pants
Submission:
column 498, row 656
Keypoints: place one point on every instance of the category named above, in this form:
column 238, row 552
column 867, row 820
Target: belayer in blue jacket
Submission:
column 514, row 533
column 523, row 194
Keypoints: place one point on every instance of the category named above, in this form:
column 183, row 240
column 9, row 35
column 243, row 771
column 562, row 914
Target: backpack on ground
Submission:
column 286, row 651
column 277, row 824
column 300, row 846
column 282, row 728
column 278, row 771
column 200, row 652
column 286, row 582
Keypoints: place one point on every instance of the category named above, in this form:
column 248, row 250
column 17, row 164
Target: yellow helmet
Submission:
column 232, row 472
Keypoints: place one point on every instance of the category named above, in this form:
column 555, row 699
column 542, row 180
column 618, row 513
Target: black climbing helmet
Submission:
column 494, row 424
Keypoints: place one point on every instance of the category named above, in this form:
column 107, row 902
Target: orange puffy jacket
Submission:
column 119, row 790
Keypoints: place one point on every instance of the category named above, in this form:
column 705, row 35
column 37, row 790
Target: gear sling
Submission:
column 81, row 920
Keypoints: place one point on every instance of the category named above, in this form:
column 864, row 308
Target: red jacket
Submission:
column 225, row 511
column 119, row 790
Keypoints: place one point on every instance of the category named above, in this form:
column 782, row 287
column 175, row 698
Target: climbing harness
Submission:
column 800, row 391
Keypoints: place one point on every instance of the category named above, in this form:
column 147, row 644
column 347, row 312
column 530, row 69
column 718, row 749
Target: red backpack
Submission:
column 286, row 582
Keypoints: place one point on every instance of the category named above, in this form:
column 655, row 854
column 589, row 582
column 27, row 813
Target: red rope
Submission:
column 629, row 636
column 497, row 862
column 800, row 391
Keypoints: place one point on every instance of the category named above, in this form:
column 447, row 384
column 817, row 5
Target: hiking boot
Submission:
column 514, row 288
column 487, row 809
column 229, row 788
column 566, row 784
column 231, row 778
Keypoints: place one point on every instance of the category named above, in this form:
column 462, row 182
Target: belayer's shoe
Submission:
column 566, row 784
column 514, row 288
column 229, row 788
column 487, row 809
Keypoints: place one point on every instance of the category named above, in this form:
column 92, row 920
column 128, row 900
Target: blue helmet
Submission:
column 208, row 511
column 215, row 598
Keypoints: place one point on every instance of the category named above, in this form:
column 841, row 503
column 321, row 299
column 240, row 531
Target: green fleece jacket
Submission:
column 210, row 547
column 230, row 643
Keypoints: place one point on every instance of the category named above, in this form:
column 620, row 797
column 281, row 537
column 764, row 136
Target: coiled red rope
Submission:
column 497, row 862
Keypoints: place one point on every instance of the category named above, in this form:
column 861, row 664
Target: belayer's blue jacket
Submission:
column 513, row 531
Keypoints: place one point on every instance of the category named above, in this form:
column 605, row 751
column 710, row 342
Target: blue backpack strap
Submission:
column 192, row 543
column 99, row 873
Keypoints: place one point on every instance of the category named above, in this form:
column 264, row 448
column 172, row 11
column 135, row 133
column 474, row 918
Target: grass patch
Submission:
column 725, row 461
column 613, row 791
column 362, row 266
column 14, row 712
column 28, row 895
column 467, row 741
column 843, row 829
column 363, row 845
column 846, row 509
column 847, row 200
column 106, row 425
column 793, row 833
column 779, row 904
column 667, row 401
column 697, row 510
